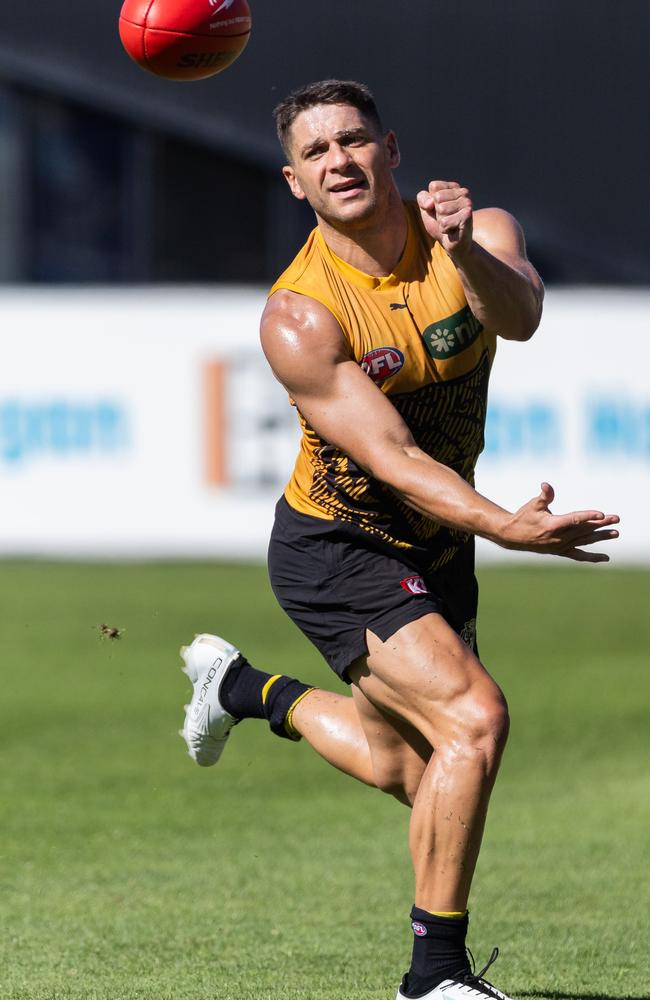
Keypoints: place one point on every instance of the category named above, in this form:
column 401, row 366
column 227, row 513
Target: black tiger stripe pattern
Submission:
column 447, row 420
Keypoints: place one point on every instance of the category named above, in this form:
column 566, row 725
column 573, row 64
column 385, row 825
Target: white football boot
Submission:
column 470, row 986
column 207, row 724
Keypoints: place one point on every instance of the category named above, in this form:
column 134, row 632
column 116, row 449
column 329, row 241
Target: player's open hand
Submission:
column 533, row 528
column 446, row 210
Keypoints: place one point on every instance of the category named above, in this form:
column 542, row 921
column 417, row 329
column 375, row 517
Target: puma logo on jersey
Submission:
column 398, row 305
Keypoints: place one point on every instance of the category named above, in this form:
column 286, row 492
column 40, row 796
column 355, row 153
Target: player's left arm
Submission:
column 488, row 249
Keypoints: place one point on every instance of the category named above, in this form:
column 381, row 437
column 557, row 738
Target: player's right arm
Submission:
column 309, row 355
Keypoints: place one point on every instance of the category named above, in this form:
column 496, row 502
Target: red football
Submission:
column 185, row 39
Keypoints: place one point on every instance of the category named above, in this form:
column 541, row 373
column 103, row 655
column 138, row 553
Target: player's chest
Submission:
column 414, row 335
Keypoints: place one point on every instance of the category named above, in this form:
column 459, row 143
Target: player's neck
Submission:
column 374, row 247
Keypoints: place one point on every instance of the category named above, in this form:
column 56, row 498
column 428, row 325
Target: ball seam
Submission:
column 144, row 33
column 185, row 34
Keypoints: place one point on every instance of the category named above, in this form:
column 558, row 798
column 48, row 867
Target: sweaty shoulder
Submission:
column 299, row 334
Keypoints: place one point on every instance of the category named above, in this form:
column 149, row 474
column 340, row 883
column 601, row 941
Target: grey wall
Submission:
column 540, row 106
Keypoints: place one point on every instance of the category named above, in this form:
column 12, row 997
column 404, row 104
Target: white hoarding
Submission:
column 146, row 422
column 572, row 407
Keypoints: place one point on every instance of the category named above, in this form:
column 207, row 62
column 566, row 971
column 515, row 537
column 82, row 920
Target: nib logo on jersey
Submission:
column 382, row 363
column 452, row 335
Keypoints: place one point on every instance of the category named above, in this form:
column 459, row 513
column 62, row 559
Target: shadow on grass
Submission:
column 554, row 995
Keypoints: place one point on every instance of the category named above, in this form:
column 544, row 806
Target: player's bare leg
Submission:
column 228, row 689
column 421, row 689
column 427, row 677
column 332, row 724
column 464, row 716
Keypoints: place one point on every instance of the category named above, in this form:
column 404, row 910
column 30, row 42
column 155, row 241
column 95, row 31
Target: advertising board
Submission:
column 146, row 422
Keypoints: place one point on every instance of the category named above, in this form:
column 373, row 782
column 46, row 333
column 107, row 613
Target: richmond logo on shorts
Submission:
column 381, row 363
column 419, row 928
column 414, row 585
column 468, row 633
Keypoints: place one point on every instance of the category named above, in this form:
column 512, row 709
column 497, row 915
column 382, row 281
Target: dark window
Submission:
column 77, row 179
column 208, row 217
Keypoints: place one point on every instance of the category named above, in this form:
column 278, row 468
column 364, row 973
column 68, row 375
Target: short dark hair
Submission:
column 323, row 92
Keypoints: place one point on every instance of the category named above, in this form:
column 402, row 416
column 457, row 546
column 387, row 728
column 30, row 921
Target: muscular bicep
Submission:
column 309, row 355
column 355, row 416
column 500, row 234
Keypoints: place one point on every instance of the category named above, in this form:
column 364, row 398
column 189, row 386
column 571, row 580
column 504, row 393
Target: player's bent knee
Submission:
column 497, row 723
column 476, row 721
column 484, row 724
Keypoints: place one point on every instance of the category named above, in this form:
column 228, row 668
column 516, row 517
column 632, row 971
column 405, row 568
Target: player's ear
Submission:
column 392, row 149
column 291, row 179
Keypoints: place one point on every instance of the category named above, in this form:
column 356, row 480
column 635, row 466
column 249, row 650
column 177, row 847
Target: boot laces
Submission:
column 474, row 980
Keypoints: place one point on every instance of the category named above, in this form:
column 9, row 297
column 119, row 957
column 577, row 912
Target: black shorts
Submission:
column 334, row 585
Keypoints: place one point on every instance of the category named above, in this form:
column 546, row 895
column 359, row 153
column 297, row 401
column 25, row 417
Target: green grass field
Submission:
column 128, row 872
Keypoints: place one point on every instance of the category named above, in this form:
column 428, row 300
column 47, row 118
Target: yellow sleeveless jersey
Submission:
column 414, row 335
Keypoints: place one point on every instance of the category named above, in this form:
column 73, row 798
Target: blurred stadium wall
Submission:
column 142, row 420
column 146, row 421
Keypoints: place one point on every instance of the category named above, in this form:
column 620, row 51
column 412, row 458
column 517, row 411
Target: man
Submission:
column 383, row 331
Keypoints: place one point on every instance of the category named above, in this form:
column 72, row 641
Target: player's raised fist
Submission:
column 446, row 210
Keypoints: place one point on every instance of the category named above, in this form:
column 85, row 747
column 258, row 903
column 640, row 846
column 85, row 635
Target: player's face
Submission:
column 340, row 163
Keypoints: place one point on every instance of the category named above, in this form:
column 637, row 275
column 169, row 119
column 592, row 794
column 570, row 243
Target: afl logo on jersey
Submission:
column 381, row 363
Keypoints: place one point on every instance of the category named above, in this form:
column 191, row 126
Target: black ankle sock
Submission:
column 438, row 950
column 248, row 693
column 241, row 691
column 280, row 699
